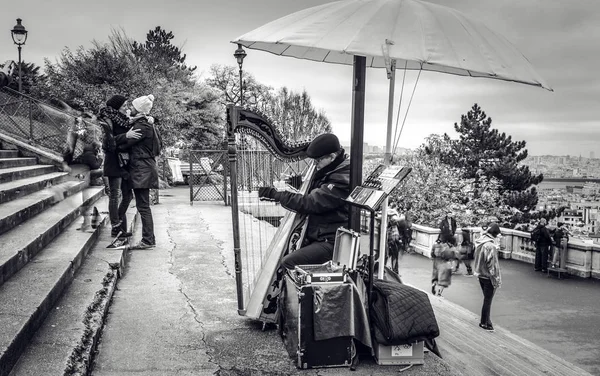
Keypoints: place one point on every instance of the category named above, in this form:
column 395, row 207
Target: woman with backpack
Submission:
column 142, row 165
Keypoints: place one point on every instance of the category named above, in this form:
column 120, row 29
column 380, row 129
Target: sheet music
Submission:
column 378, row 185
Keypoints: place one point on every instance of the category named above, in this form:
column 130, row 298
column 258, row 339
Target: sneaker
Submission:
column 489, row 328
column 142, row 245
column 469, row 274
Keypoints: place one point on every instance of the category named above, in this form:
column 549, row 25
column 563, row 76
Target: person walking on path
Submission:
column 466, row 250
column 487, row 269
column 443, row 255
column 448, row 229
column 116, row 164
column 541, row 236
column 142, row 165
column 324, row 202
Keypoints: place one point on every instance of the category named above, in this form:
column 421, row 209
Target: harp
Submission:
column 262, row 301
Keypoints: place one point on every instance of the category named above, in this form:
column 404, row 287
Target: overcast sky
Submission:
column 560, row 38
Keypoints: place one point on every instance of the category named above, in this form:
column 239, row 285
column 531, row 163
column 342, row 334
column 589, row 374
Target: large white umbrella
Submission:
column 417, row 34
column 392, row 34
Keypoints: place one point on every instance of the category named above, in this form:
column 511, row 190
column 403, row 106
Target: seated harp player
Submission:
column 333, row 164
column 323, row 202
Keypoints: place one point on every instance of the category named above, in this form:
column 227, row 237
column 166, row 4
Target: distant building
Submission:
column 592, row 155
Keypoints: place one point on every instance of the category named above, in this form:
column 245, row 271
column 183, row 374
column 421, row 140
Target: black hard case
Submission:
column 299, row 332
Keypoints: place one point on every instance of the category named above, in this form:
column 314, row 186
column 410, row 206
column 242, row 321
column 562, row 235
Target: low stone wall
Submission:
column 583, row 260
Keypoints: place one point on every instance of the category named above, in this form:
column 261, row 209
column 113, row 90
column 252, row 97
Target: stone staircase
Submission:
column 41, row 252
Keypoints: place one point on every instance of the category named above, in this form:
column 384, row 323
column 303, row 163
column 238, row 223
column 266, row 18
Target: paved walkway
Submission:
column 175, row 313
column 560, row 316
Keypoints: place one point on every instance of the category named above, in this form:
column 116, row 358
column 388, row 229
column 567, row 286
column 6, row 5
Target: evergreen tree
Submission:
column 30, row 75
column 160, row 56
column 483, row 151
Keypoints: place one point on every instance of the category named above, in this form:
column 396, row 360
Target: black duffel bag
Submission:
column 401, row 314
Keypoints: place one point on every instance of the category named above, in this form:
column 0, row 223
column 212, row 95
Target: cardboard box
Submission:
column 399, row 354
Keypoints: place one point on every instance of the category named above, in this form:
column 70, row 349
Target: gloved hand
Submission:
column 295, row 181
column 267, row 192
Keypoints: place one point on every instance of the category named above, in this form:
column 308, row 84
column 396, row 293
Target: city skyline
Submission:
column 564, row 122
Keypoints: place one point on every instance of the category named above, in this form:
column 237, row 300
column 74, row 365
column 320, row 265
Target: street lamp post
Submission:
column 239, row 55
column 19, row 37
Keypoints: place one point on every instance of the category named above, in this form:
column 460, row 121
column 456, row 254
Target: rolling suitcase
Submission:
column 299, row 335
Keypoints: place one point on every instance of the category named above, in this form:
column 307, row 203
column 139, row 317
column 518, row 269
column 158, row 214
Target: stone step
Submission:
column 22, row 243
column 9, row 153
column 14, row 173
column 15, row 212
column 17, row 162
column 22, row 187
column 28, row 297
column 474, row 351
column 67, row 339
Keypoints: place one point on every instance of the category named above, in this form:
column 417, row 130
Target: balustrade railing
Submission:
column 582, row 259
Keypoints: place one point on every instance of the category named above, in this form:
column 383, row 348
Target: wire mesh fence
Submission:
column 206, row 172
column 33, row 121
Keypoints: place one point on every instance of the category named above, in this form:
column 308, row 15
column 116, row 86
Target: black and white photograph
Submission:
column 176, row 178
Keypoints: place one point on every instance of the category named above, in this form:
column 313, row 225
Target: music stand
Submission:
column 369, row 196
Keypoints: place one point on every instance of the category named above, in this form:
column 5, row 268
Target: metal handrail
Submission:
column 33, row 121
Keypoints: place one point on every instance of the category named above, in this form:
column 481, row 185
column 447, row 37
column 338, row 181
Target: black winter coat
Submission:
column 111, row 159
column 544, row 238
column 142, row 163
column 447, row 230
column 324, row 203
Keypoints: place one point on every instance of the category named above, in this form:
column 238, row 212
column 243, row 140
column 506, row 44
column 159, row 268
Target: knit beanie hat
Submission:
column 116, row 101
column 322, row 145
column 143, row 104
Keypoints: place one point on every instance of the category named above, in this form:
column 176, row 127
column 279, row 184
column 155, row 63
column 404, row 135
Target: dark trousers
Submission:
column 142, row 202
column 488, row 294
column 541, row 257
column 314, row 253
column 117, row 208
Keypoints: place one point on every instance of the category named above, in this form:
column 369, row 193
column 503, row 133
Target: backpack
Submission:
column 157, row 144
column 536, row 234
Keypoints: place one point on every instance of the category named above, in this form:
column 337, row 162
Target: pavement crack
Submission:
column 180, row 287
column 224, row 263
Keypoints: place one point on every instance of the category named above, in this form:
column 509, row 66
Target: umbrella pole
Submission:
column 386, row 161
column 357, row 133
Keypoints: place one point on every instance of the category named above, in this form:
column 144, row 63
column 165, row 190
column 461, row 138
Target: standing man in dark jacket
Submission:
column 324, row 202
column 448, row 229
column 142, row 165
column 541, row 236
column 116, row 163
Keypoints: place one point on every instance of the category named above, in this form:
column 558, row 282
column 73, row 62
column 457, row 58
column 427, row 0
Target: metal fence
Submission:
column 32, row 121
column 206, row 172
